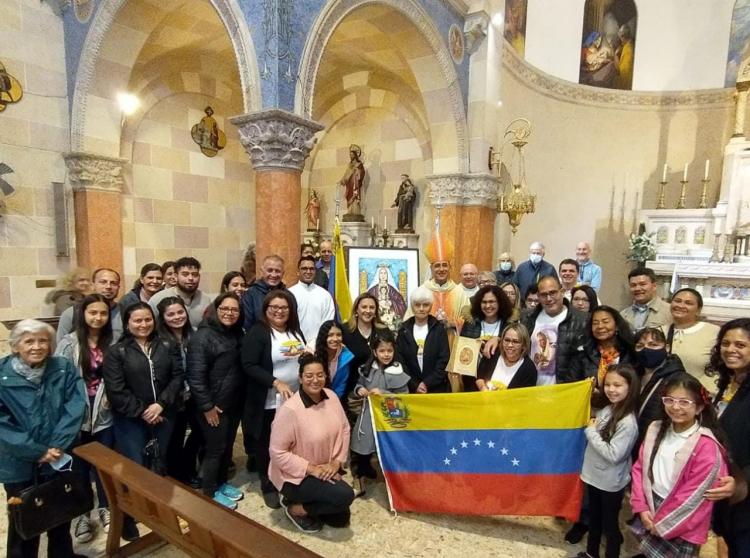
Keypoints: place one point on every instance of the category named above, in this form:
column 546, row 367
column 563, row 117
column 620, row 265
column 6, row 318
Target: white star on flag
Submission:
column 447, row 461
column 477, row 442
column 490, row 444
column 515, row 462
column 504, row 451
column 464, row 444
column 454, row 451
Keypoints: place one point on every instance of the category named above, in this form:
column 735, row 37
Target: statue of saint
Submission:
column 208, row 135
column 313, row 212
column 352, row 181
column 407, row 194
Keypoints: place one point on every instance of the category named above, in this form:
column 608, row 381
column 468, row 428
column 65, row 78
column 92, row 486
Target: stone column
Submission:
column 278, row 142
column 97, row 198
column 467, row 217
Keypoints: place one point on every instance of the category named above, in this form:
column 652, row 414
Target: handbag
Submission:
column 152, row 459
column 48, row 504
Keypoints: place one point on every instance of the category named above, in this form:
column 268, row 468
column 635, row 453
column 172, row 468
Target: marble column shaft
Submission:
column 467, row 216
column 277, row 142
column 97, row 198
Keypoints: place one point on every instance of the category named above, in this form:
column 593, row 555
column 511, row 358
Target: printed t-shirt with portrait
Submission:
column 285, row 352
column 489, row 330
column 420, row 334
column 544, row 346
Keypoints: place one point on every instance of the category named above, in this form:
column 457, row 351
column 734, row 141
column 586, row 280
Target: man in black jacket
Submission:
column 271, row 274
column 557, row 332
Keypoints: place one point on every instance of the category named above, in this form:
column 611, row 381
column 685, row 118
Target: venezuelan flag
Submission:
column 338, row 284
column 508, row 452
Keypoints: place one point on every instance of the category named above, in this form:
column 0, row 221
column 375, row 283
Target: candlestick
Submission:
column 661, row 204
column 385, row 236
column 684, row 173
column 705, row 173
column 664, row 174
column 703, row 203
column 683, row 192
column 373, row 234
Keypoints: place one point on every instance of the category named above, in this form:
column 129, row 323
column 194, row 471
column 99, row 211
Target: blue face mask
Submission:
column 65, row 463
column 535, row 258
column 505, row 266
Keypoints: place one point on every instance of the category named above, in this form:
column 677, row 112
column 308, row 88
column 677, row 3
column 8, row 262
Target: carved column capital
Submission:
column 276, row 139
column 87, row 171
column 475, row 30
column 463, row 189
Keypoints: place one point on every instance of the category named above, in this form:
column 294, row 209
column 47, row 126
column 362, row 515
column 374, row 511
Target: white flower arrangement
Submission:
column 642, row 247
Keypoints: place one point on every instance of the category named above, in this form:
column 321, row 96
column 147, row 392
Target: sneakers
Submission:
column 576, row 532
column 84, row 531
column 271, row 499
column 231, row 492
column 304, row 523
column 104, row 518
column 358, row 484
column 221, row 498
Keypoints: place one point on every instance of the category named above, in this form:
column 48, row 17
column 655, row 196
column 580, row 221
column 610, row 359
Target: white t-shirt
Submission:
column 420, row 334
column 285, row 350
column 489, row 330
column 664, row 463
column 503, row 373
column 544, row 346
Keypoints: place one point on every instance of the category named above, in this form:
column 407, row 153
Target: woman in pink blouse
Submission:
column 309, row 444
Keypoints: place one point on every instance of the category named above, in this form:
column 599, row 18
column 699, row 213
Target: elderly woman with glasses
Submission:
column 269, row 356
column 42, row 405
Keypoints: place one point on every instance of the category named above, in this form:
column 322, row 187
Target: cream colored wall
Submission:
column 33, row 134
column 593, row 165
column 178, row 202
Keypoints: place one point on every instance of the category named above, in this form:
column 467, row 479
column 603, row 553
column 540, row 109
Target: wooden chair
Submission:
column 178, row 515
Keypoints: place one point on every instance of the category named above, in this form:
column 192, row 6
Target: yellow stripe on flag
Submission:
column 343, row 296
column 546, row 407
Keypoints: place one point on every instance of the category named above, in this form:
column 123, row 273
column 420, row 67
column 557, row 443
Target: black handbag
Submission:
column 50, row 503
column 152, row 458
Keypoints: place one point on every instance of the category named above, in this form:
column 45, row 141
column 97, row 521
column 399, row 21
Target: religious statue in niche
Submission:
column 10, row 89
column 313, row 211
column 353, row 182
column 405, row 198
column 456, row 43
column 208, row 135
column 608, row 44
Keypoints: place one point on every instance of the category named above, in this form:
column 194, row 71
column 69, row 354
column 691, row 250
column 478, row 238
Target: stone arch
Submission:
column 229, row 13
column 336, row 12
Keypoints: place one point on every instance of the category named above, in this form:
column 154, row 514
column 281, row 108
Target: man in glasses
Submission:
column 314, row 303
column 558, row 332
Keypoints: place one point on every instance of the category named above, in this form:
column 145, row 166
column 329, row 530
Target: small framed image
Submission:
column 389, row 274
column 464, row 356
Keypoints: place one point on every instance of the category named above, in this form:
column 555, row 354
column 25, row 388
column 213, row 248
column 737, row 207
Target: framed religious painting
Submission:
column 389, row 274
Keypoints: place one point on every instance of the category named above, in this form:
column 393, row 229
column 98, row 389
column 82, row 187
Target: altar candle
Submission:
column 664, row 173
column 684, row 173
column 317, row 226
column 385, row 222
column 705, row 172
column 372, row 222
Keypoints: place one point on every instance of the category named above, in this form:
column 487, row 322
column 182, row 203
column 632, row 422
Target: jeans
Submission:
column 327, row 501
column 261, row 451
column 604, row 510
column 105, row 437
column 59, row 541
column 183, row 454
column 219, row 442
column 738, row 544
column 132, row 435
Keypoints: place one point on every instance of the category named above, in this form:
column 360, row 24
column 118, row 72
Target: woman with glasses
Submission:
column 215, row 378
column 584, row 298
column 510, row 367
column 514, row 296
column 269, row 356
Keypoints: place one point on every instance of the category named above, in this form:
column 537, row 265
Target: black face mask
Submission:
column 651, row 358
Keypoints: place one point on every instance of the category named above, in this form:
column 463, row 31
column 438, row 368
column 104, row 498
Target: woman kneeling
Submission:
column 309, row 443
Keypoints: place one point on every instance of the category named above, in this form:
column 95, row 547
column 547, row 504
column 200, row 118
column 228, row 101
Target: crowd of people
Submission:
column 168, row 375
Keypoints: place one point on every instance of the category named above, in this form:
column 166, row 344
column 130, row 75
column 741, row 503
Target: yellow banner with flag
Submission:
column 338, row 284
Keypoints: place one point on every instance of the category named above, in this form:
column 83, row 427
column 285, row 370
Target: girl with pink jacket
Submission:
column 679, row 460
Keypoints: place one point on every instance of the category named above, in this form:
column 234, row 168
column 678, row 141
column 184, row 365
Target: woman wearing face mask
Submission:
column 690, row 338
column 506, row 272
column 656, row 367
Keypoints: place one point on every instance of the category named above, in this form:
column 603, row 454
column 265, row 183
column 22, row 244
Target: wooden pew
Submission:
column 178, row 515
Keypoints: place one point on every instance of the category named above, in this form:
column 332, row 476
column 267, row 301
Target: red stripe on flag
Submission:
column 478, row 494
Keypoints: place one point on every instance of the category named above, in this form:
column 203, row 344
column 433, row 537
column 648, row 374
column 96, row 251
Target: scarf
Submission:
column 32, row 374
column 608, row 357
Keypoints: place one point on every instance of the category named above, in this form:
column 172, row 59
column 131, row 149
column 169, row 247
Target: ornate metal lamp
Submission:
column 514, row 198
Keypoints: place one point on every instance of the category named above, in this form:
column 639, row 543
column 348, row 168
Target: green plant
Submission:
column 642, row 247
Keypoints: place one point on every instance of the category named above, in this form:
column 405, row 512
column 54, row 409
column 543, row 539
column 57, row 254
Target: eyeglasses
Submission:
column 307, row 269
column 549, row 294
column 275, row 308
column 225, row 310
column 679, row 403
column 512, row 341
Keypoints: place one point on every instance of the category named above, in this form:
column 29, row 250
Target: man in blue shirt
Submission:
column 588, row 272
